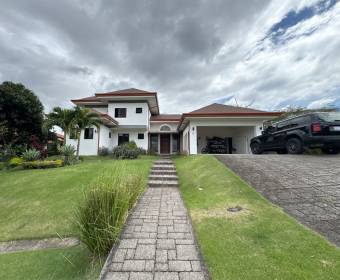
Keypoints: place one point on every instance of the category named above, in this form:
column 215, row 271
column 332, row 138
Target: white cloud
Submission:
column 321, row 103
column 191, row 52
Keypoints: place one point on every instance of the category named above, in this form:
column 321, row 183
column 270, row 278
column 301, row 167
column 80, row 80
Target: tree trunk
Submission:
column 78, row 144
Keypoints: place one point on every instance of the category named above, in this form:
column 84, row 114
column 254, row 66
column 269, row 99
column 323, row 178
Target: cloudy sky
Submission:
column 260, row 53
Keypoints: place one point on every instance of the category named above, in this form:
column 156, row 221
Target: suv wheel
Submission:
column 256, row 148
column 294, row 146
column 330, row 151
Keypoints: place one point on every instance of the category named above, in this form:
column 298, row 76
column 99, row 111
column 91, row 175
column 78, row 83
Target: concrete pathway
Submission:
column 38, row 244
column 157, row 242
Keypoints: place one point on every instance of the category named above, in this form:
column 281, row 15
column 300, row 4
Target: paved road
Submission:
column 307, row 187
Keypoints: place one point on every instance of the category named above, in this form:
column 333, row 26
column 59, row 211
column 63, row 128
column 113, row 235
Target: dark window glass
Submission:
column 330, row 116
column 301, row 120
column 123, row 138
column 139, row 110
column 88, row 133
column 120, row 113
column 109, row 134
column 140, row 135
column 175, row 143
column 154, row 143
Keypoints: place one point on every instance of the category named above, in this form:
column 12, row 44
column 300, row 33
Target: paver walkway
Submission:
column 307, row 187
column 157, row 242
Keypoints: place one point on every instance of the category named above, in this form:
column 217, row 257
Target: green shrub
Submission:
column 68, row 151
column 127, row 151
column 15, row 162
column 106, row 204
column 2, row 166
column 103, row 151
column 130, row 145
column 31, row 155
column 42, row 164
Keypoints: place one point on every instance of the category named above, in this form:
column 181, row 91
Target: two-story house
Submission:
column 134, row 115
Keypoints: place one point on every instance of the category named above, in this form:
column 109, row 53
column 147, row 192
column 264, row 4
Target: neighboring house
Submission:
column 133, row 115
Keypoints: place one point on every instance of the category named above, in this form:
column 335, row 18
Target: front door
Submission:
column 165, row 143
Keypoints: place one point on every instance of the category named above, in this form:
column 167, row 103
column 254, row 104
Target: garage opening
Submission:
column 224, row 139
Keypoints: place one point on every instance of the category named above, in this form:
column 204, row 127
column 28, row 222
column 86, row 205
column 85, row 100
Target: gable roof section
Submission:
column 216, row 109
column 129, row 94
column 221, row 110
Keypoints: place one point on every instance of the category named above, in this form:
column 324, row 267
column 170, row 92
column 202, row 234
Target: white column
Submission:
column 193, row 139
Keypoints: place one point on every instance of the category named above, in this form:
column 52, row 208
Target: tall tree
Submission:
column 64, row 118
column 21, row 114
column 84, row 118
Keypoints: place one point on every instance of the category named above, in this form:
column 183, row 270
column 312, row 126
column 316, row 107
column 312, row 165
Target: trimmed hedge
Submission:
column 15, row 162
column 42, row 164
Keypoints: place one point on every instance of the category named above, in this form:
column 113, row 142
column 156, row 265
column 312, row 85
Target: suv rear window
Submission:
column 329, row 117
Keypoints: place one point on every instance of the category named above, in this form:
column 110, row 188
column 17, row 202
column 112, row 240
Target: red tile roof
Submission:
column 127, row 92
column 166, row 117
column 106, row 116
column 86, row 99
column 216, row 108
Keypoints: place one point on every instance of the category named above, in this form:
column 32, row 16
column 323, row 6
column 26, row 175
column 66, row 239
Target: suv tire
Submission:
column 256, row 148
column 294, row 146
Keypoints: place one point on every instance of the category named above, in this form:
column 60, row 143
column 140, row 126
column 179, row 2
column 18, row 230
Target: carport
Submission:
column 224, row 139
column 228, row 128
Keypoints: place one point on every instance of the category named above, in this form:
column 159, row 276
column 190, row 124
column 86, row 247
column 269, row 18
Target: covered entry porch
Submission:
column 164, row 143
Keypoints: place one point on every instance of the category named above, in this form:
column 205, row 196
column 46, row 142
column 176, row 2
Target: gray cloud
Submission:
column 192, row 52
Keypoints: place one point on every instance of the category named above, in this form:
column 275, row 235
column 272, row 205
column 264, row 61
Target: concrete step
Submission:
column 163, row 177
column 163, row 167
column 163, row 162
column 158, row 183
column 163, row 172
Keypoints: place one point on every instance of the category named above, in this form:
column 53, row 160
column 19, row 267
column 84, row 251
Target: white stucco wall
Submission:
column 88, row 147
column 104, row 139
column 131, row 117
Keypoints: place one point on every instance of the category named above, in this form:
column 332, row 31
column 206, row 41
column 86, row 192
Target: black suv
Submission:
column 312, row 130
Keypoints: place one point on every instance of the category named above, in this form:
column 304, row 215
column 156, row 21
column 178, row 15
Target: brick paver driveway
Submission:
column 307, row 187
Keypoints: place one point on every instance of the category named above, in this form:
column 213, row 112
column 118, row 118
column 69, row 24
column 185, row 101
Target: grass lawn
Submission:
column 40, row 203
column 261, row 242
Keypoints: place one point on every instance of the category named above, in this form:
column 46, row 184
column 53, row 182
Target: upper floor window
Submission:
column 120, row 112
column 88, row 134
column 139, row 110
column 109, row 134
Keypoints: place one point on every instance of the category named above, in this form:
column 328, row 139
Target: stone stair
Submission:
column 163, row 173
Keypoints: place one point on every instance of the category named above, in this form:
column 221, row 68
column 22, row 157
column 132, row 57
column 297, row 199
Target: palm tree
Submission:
column 64, row 118
column 83, row 118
